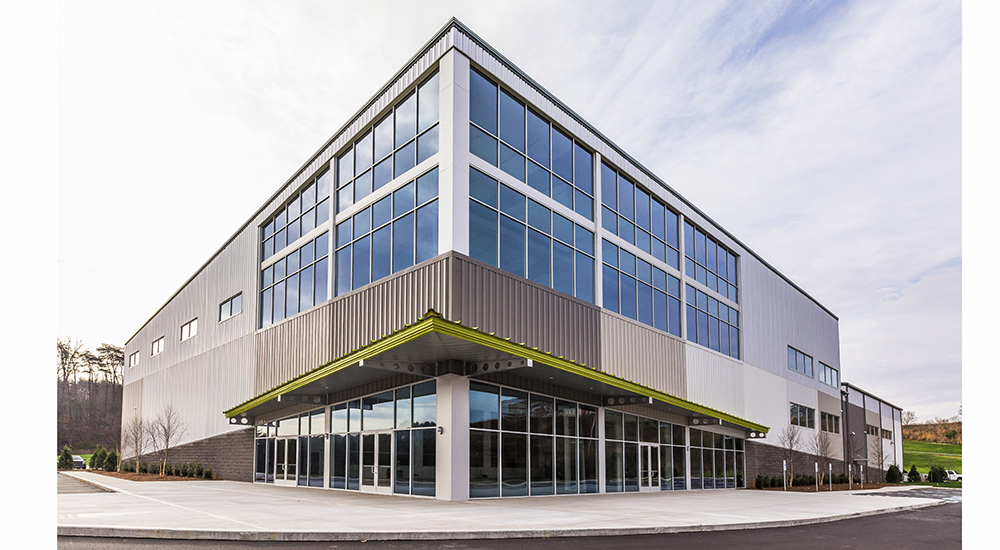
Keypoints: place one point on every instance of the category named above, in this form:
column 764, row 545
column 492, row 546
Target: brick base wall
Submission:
column 230, row 455
column 766, row 460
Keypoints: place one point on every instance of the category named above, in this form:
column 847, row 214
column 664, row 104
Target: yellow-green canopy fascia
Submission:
column 433, row 322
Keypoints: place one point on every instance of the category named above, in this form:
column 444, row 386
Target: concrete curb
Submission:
column 91, row 482
column 321, row 536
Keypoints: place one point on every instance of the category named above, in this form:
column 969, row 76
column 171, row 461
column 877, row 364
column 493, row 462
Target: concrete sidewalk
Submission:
column 227, row 510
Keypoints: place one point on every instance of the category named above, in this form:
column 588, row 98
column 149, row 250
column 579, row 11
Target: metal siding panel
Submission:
column 303, row 342
column 642, row 354
column 774, row 315
column 495, row 301
column 715, row 380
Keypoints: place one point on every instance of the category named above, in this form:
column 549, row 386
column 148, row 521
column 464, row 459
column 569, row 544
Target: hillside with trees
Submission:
column 939, row 430
column 89, row 395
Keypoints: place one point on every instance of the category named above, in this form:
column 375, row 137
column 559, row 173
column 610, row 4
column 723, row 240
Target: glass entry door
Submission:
column 376, row 462
column 649, row 467
column 285, row 458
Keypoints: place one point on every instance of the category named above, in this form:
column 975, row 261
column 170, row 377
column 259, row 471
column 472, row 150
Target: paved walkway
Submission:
column 228, row 510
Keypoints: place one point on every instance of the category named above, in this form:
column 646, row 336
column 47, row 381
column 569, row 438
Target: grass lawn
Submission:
column 925, row 455
column 948, row 484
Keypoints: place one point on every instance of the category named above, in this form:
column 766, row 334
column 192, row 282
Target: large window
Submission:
column 638, row 217
column 828, row 375
column 403, row 138
column 712, row 323
column 410, row 413
column 307, row 210
column 523, row 444
column 639, row 290
column 717, row 461
column 802, row 416
column 800, row 362
column 296, row 282
column 641, row 452
column 829, row 423
column 525, row 238
column 393, row 234
column 709, row 263
column 509, row 135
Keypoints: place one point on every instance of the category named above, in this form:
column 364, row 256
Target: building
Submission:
column 469, row 292
column 873, row 432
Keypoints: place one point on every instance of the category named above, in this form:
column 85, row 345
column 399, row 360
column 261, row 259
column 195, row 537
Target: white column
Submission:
column 687, row 446
column 601, row 459
column 453, row 151
column 598, row 232
column 452, row 469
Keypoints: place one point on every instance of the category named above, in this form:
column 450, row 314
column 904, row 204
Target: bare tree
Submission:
column 167, row 429
column 878, row 456
column 135, row 438
column 908, row 418
column 790, row 440
column 821, row 445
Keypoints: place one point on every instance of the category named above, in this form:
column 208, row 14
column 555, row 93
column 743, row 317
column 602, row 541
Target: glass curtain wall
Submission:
column 523, row 237
column 523, row 443
column 713, row 324
column 639, row 290
column 393, row 234
column 718, row 460
column 409, row 413
column 624, row 436
column 506, row 133
column 406, row 135
column 637, row 217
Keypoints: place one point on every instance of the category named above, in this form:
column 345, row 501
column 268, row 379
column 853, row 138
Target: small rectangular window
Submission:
column 133, row 359
column 230, row 308
column 189, row 329
column 157, row 347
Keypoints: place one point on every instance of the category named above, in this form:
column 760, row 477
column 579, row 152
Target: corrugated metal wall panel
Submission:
column 642, row 354
column 715, row 380
column 774, row 315
column 131, row 401
column 301, row 343
column 495, row 301
column 200, row 388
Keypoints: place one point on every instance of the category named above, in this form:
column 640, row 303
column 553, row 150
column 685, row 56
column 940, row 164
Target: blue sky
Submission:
column 826, row 135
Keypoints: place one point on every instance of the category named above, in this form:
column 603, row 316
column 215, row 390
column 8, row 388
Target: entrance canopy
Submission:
column 434, row 346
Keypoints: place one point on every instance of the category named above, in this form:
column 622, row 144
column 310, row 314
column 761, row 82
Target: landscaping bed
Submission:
column 136, row 476
column 836, row 487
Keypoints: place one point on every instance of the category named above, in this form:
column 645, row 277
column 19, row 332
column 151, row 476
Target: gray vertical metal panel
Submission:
column 495, row 301
column 200, row 388
column 131, row 401
column 221, row 351
column 292, row 347
column 303, row 342
column 774, row 315
column 642, row 354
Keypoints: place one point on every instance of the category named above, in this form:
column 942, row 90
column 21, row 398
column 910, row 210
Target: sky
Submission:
column 827, row 136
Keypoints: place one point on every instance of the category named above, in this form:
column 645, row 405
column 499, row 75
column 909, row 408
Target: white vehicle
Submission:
column 953, row 476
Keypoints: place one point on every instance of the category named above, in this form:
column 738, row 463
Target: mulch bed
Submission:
column 836, row 487
column 135, row 476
